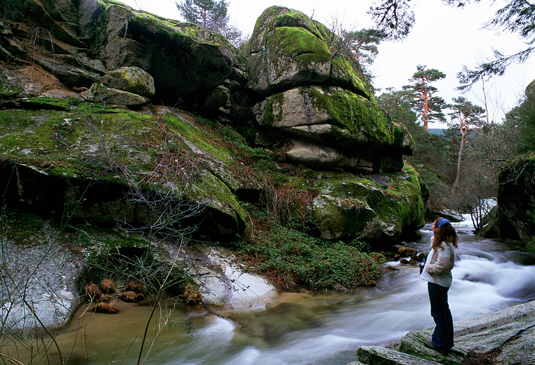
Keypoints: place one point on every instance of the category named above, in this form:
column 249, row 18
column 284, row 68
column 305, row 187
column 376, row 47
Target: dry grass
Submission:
column 107, row 287
column 135, row 287
column 91, row 291
column 104, row 308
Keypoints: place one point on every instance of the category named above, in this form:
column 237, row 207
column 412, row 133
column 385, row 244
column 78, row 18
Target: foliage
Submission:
column 396, row 18
column 292, row 259
column 522, row 119
column 486, row 151
column 288, row 206
column 422, row 97
column 465, row 117
column 209, row 14
column 430, row 149
column 517, row 16
column 357, row 46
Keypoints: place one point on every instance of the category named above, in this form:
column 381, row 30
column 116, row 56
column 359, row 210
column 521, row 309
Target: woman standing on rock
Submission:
column 437, row 272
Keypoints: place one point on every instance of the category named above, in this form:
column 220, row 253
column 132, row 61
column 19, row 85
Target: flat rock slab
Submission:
column 377, row 355
column 510, row 331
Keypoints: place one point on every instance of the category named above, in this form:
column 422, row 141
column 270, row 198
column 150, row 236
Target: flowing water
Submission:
column 312, row 328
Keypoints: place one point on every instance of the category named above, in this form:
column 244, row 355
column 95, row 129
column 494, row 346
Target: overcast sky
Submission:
column 444, row 38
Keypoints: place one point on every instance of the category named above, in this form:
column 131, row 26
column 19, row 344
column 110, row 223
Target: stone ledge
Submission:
column 509, row 331
column 377, row 355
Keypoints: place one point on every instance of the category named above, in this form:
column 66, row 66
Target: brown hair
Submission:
column 445, row 233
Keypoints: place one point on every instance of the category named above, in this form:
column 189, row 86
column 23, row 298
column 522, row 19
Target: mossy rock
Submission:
column 340, row 119
column 349, row 207
column 131, row 79
column 181, row 57
column 288, row 49
column 50, row 159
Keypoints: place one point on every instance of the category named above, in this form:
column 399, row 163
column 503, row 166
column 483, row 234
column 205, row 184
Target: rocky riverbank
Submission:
column 502, row 337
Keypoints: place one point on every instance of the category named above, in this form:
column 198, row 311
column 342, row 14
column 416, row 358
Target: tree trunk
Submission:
column 456, row 183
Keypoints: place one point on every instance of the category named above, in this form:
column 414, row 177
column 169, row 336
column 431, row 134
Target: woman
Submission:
column 437, row 272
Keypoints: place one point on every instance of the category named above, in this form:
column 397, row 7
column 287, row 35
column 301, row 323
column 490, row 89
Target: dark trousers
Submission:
column 440, row 311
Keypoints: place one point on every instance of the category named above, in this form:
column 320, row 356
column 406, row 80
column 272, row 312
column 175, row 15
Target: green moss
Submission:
column 273, row 109
column 347, row 205
column 65, row 104
column 179, row 32
column 75, row 143
column 214, row 193
column 6, row 91
column 348, row 78
column 299, row 44
column 201, row 138
column 353, row 113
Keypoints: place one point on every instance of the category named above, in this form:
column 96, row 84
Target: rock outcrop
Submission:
column 376, row 208
column 316, row 98
column 79, row 42
column 507, row 335
column 307, row 98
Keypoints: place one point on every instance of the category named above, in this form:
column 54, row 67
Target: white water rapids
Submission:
column 324, row 328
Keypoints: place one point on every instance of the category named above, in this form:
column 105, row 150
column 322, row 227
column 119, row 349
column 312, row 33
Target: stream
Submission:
column 311, row 328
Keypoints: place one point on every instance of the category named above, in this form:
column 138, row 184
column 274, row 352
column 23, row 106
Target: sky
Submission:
column 444, row 38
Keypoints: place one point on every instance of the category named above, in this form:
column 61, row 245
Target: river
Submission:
column 312, row 328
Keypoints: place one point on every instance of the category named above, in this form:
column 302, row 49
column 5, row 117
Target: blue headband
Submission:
column 442, row 222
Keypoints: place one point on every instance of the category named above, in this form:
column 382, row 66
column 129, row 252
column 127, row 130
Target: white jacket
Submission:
column 439, row 264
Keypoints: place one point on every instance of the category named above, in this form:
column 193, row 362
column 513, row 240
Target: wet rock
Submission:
column 385, row 356
column 230, row 287
column 510, row 330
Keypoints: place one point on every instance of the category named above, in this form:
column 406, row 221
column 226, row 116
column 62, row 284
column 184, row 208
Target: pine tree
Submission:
column 465, row 117
column 209, row 14
column 422, row 95
column 396, row 18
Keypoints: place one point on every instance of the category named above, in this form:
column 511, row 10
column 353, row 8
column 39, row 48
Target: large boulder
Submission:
column 45, row 289
column 289, row 49
column 337, row 118
column 131, row 79
column 377, row 208
column 106, row 165
column 182, row 57
column 312, row 108
column 80, row 41
column 107, row 95
column 314, row 96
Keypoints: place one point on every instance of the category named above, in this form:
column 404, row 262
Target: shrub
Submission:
column 292, row 259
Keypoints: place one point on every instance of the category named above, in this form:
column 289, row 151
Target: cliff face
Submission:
column 79, row 81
